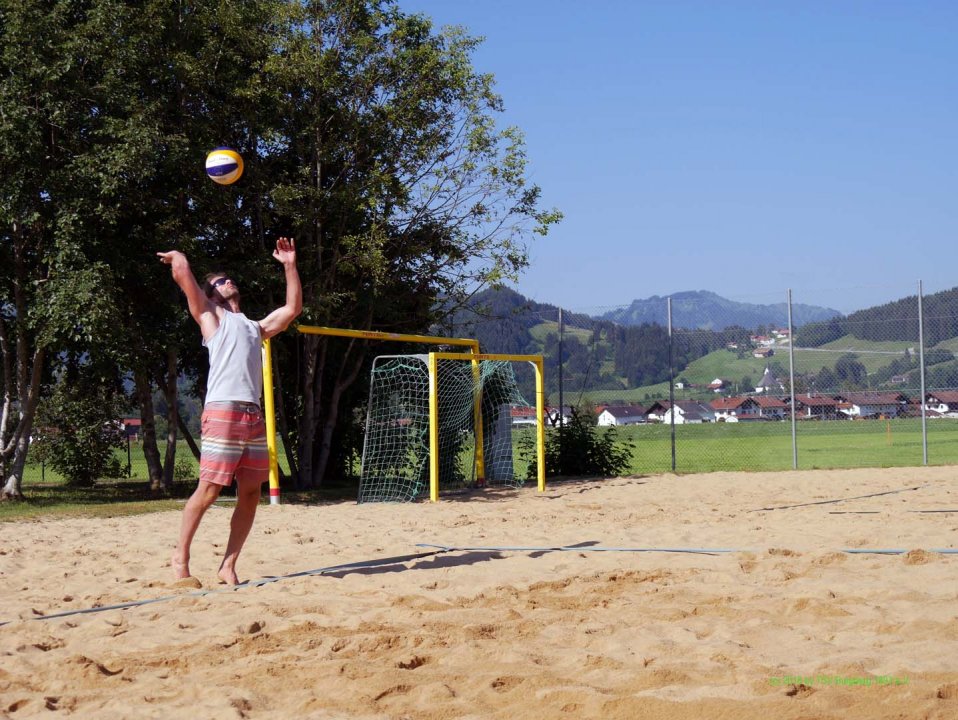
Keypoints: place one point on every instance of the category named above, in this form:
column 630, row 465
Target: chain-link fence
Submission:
column 704, row 383
column 130, row 460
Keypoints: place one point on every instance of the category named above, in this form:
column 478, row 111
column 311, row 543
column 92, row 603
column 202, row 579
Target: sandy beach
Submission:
column 784, row 623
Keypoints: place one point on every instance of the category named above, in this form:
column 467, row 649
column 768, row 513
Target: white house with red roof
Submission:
column 734, row 409
column 819, row 407
column 622, row 415
column 771, row 408
column 944, row 402
column 874, row 404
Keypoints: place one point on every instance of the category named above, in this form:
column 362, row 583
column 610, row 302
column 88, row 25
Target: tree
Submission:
column 365, row 133
column 397, row 180
column 49, row 292
column 850, row 372
column 826, row 380
column 78, row 424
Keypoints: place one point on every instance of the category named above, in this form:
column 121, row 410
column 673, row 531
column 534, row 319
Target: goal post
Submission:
column 475, row 359
column 470, row 345
column 269, row 413
column 422, row 431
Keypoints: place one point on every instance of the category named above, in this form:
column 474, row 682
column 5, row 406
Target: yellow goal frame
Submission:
column 269, row 409
column 434, row 358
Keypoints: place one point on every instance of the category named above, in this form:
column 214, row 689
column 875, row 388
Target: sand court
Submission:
column 787, row 623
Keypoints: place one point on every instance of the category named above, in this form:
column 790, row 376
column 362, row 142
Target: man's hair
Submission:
column 208, row 283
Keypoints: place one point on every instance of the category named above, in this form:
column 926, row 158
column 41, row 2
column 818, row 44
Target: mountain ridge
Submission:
column 707, row 310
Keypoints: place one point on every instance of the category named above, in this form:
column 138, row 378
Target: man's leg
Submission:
column 199, row 502
column 247, row 500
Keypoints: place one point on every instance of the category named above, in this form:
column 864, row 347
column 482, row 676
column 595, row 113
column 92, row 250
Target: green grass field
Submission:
column 767, row 446
column 764, row 446
column 739, row 447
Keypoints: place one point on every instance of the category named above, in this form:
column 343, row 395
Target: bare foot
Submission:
column 228, row 576
column 181, row 567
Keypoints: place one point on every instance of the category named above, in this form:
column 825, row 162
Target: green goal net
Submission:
column 396, row 451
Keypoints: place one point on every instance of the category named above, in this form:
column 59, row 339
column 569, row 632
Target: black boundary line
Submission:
column 249, row 583
column 438, row 550
column 828, row 502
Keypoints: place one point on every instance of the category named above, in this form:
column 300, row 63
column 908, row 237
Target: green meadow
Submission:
column 712, row 447
column 764, row 446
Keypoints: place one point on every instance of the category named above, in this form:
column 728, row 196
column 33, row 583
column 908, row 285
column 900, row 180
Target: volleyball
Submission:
column 224, row 166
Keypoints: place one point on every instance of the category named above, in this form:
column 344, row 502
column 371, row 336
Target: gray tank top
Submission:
column 236, row 360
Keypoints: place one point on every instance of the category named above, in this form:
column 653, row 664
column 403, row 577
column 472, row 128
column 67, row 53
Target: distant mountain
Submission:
column 707, row 311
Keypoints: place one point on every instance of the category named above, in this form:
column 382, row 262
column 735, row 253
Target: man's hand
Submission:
column 285, row 251
column 174, row 258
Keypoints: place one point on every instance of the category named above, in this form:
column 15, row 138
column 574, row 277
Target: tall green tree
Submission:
column 398, row 182
column 107, row 110
column 50, row 295
column 366, row 133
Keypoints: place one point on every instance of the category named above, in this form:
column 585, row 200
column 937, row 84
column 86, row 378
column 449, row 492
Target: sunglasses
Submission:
column 220, row 281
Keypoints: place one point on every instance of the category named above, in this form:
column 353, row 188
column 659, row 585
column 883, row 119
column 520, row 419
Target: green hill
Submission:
column 603, row 361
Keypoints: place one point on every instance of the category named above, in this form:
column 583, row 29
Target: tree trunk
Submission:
column 332, row 414
column 13, row 483
column 180, row 422
column 144, row 395
column 307, row 424
column 13, row 486
column 188, row 436
column 171, row 421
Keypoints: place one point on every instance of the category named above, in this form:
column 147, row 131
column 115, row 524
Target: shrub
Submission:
column 78, row 432
column 580, row 448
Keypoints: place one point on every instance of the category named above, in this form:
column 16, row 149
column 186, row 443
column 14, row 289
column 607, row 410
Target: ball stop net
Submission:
column 396, row 451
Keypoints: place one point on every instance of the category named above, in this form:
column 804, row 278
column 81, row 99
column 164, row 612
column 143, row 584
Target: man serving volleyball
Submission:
column 233, row 429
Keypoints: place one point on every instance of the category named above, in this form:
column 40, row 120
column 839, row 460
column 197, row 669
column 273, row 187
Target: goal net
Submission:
column 477, row 405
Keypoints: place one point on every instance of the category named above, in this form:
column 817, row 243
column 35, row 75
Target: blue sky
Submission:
column 740, row 147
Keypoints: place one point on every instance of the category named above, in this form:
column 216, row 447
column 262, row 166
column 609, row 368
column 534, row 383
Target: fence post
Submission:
column 921, row 363
column 671, row 384
column 791, row 378
column 561, row 400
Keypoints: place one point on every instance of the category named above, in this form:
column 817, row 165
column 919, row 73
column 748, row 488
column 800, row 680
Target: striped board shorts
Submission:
column 234, row 443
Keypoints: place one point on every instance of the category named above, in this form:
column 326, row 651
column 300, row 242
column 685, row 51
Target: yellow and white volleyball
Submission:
column 224, row 166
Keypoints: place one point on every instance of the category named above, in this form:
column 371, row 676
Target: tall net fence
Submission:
column 396, row 454
column 874, row 387
column 708, row 382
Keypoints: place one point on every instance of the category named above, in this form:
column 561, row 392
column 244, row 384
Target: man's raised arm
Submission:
column 281, row 317
column 201, row 308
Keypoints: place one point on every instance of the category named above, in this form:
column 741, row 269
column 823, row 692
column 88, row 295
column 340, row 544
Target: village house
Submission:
column 656, row 411
column 944, row 402
column 735, row 409
column 717, row 385
column 874, row 404
column 554, row 414
column 819, row 407
column 762, row 340
column 622, row 415
column 131, row 428
column 523, row 415
column 771, row 408
column 689, row 412
column 769, row 383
